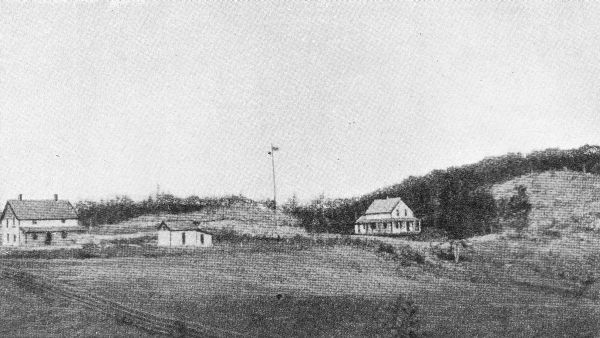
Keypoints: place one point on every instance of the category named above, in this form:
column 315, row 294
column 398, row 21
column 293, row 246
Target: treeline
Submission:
column 122, row 208
column 456, row 200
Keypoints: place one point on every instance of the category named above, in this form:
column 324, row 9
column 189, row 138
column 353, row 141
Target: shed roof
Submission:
column 41, row 209
column 384, row 218
column 383, row 206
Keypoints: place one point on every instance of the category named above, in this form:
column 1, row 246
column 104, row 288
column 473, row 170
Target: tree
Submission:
column 516, row 210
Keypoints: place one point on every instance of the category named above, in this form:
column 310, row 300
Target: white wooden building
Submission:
column 389, row 216
column 39, row 223
column 187, row 234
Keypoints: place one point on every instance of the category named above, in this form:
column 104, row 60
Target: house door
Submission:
column 48, row 240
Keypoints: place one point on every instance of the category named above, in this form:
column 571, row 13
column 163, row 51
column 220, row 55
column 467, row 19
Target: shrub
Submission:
column 401, row 319
column 552, row 233
column 133, row 241
column 386, row 248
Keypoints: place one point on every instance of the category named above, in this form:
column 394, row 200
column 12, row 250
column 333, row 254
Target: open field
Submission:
column 265, row 281
column 30, row 314
column 505, row 287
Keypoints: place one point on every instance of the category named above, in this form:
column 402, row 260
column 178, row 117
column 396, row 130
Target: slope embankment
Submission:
column 560, row 200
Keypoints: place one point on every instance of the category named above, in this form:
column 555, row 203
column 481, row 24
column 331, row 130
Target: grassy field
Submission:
column 543, row 282
column 505, row 287
column 28, row 314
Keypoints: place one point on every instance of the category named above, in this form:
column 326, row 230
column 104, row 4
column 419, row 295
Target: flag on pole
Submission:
column 273, row 149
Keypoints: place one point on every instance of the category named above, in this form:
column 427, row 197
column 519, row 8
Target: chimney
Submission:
column 20, row 197
column 56, row 197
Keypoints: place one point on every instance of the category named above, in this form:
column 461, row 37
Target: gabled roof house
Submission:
column 39, row 222
column 182, row 234
column 387, row 216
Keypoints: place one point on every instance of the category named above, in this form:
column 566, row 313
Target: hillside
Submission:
column 250, row 219
column 560, row 200
column 456, row 200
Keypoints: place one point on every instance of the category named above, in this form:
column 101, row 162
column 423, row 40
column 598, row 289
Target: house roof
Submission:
column 41, row 209
column 383, row 206
column 384, row 218
column 27, row 229
column 179, row 226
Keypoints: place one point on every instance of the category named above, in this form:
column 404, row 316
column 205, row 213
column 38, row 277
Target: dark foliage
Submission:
column 456, row 200
column 122, row 208
column 515, row 211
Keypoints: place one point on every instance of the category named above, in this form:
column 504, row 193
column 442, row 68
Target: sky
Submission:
column 109, row 98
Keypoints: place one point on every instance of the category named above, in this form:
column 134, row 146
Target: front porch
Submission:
column 404, row 226
column 50, row 237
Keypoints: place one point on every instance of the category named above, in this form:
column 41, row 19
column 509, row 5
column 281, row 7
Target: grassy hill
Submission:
column 561, row 201
column 456, row 200
column 241, row 218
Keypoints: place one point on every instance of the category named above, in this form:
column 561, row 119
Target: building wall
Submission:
column 10, row 229
column 175, row 239
column 50, row 223
column 401, row 211
column 164, row 238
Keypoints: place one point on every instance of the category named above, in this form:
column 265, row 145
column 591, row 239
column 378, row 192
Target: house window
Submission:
column 62, row 220
column 7, row 237
column 14, row 238
column 63, row 235
column 397, row 212
column 384, row 225
column 13, row 222
column 34, row 222
column 396, row 224
column 373, row 226
column 7, row 222
column 201, row 239
column 405, row 212
column 34, row 236
column 183, row 238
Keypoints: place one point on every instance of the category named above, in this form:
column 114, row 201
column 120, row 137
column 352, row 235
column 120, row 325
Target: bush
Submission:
column 133, row 241
column 386, row 248
column 400, row 319
column 552, row 233
column 405, row 255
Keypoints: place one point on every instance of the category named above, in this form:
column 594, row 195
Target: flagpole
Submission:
column 274, row 184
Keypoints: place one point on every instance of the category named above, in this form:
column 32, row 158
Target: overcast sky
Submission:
column 99, row 98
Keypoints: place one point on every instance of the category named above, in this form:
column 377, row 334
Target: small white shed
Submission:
column 182, row 235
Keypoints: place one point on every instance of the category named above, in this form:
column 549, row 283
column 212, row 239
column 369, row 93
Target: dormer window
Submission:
column 405, row 212
column 398, row 212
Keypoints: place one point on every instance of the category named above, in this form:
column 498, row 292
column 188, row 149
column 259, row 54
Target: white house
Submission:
column 39, row 223
column 182, row 235
column 388, row 216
